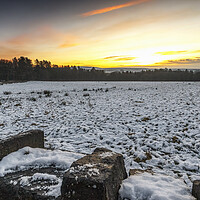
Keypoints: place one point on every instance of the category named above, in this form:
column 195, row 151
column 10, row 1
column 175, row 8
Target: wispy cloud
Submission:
column 119, row 58
column 196, row 51
column 181, row 61
column 41, row 35
column 125, row 58
column 7, row 53
column 44, row 36
column 70, row 40
column 108, row 9
column 167, row 53
column 111, row 57
column 68, row 45
column 171, row 52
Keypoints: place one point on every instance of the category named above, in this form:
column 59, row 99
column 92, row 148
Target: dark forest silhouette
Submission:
column 23, row 69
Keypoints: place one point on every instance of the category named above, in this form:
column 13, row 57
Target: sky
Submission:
column 103, row 33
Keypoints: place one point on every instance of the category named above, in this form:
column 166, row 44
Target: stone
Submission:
column 133, row 172
column 94, row 177
column 33, row 138
column 196, row 189
column 11, row 187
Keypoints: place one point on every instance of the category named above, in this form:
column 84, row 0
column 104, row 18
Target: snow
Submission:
column 36, row 158
column 154, row 187
column 89, row 168
column 106, row 154
column 154, row 125
column 53, row 190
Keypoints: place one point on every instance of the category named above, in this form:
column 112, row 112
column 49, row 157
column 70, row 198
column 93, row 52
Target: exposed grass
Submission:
column 7, row 92
column 47, row 93
column 32, row 99
column 66, row 94
column 86, row 95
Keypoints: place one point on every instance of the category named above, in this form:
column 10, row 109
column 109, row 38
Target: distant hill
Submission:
column 119, row 69
column 132, row 69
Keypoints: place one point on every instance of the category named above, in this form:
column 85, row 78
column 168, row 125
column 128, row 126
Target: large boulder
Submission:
column 33, row 138
column 94, row 177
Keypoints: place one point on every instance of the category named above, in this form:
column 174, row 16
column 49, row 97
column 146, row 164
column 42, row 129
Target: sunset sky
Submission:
column 103, row 33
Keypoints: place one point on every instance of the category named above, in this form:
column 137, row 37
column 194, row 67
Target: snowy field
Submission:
column 155, row 125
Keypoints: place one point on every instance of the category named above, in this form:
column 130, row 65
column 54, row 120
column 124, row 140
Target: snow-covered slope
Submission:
column 155, row 125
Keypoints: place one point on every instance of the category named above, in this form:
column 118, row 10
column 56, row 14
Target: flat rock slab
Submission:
column 34, row 173
column 31, row 184
column 33, row 138
column 94, row 177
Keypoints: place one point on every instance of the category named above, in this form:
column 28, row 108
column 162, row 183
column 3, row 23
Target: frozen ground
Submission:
column 155, row 125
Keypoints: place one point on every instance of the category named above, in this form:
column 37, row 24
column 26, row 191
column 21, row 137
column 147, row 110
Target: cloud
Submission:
column 7, row 53
column 111, row 57
column 125, row 58
column 44, row 36
column 181, row 61
column 108, row 9
column 196, row 51
column 70, row 41
column 166, row 53
column 119, row 58
column 19, row 40
column 171, row 52
column 67, row 45
column 41, row 35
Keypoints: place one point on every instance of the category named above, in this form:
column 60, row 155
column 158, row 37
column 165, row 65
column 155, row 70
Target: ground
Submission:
column 155, row 125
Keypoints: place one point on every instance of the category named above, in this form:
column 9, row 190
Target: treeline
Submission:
column 23, row 69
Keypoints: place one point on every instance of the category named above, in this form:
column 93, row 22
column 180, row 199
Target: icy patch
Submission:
column 36, row 158
column 154, row 187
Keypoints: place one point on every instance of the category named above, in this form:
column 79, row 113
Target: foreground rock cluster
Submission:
column 97, row 176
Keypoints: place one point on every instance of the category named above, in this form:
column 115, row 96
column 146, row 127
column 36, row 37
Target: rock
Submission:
column 196, row 189
column 94, row 177
column 14, row 186
column 133, row 172
column 33, row 138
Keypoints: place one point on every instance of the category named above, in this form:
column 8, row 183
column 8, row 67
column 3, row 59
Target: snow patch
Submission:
column 89, row 168
column 154, row 187
column 106, row 154
column 36, row 158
